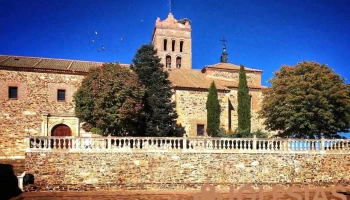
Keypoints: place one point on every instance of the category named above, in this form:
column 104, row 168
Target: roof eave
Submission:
column 43, row 70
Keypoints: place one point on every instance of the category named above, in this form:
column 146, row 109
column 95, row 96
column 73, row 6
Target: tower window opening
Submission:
column 165, row 44
column 178, row 62
column 173, row 45
column 168, row 61
column 181, row 45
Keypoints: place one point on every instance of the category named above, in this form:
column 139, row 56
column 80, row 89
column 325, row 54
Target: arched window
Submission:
column 168, row 61
column 178, row 62
column 165, row 44
column 181, row 45
column 173, row 45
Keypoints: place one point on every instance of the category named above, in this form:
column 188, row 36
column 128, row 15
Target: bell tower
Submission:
column 172, row 39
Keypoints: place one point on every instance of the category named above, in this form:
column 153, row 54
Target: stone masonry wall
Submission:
column 178, row 170
column 37, row 93
column 17, row 164
column 191, row 107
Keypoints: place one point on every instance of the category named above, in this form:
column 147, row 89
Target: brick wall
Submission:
column 176, row 170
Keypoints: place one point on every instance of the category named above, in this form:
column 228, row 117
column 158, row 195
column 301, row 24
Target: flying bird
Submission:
column 98, row 50
column 92, row 40
column 121, row 38
column 96, row 32
column 103, row 48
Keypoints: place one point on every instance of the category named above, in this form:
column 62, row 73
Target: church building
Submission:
column 36, row 94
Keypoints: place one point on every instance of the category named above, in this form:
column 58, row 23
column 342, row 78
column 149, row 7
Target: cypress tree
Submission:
column 158, row 117
column 213, row 111
column 243, row 110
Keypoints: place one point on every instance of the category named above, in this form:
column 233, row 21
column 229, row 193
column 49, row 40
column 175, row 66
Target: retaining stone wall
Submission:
column 176, row 170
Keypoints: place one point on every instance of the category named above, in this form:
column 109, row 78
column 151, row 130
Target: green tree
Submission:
column 243, row 110
column 308, row 100
column 109, row 100
column 213, row 111
column 158, row 115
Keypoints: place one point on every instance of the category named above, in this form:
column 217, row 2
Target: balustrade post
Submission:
column 184, row 142
column 322, row 144
column 109, row 140
column 289, row 144
column 254, row 142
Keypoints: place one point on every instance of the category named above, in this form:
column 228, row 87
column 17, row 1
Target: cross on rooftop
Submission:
column 224, row 56
column 223, row 40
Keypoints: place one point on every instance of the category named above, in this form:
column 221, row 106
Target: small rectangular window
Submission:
column 13, row 92
column 181, row 45
column 251, row 102
column 61, row 95
column 200, row 129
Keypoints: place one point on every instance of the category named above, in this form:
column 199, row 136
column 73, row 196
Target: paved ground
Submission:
column 148, row 195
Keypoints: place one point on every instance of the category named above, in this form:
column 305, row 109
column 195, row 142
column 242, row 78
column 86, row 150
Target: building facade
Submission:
column 36, row 94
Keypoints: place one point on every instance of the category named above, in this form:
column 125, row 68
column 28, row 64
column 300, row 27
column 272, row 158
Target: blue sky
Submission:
column 261, row 34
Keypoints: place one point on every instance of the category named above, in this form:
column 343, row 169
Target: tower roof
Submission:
column 171, row 23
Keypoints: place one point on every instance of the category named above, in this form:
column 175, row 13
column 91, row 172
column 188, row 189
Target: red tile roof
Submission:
column 47, row 64
column 180, row 78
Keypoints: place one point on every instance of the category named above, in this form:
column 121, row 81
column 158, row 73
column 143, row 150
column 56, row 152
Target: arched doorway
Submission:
column 61, row 130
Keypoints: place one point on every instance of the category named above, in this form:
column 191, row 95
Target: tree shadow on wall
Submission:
column 8, row 182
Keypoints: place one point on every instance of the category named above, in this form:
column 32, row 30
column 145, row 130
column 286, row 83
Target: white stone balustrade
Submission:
column 185, row 144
